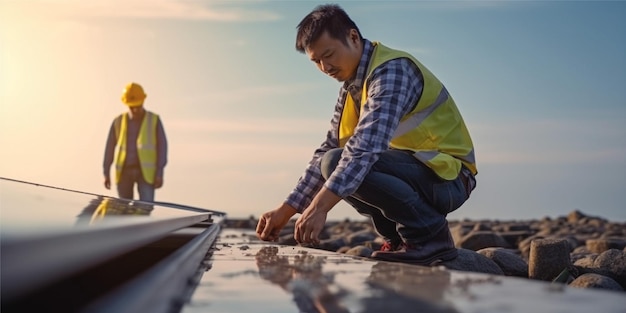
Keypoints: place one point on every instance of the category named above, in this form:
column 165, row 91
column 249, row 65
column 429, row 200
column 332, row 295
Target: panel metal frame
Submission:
column 161, row 288
column 31, row 262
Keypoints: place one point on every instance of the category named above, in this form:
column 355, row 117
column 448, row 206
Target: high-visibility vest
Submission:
column 434, row 130
column 146, row 145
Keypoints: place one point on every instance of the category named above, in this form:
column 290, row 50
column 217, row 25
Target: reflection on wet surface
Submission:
column 28, row 208
column 101, row 207
column 316, row 290
column 303, row 278
column 251, row 276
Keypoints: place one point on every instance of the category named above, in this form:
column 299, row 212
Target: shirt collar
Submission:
column 136, row 117
column 356, row 83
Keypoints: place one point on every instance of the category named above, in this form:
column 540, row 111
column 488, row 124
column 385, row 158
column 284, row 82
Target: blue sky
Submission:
column 540, row 85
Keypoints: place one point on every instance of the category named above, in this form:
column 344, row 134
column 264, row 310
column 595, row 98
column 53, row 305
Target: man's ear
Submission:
column 354, row 37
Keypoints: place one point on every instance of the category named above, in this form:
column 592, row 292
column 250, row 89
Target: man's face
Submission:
column 334, row 58
column 136, row 111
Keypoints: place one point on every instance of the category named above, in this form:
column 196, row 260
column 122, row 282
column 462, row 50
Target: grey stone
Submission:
column 344, row 249
column 548, row 257
column 333, row 244
column 514, row 237
column 586, row 261
column 573, row 242
column 360, row 237
column 287, row 239
column 574, row 216
column 613, row 261
column 590, row 280
column 476, row 240
column 582, row 234
column 361, row 251
column 524, row 245
column 510, row 263
column 471, row 261
column 458, row 231
column 582, row 250
column 481, row 227
column 601, row 245
column 521, row 227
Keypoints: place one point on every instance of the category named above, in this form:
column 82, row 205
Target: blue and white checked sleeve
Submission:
column 393, row 90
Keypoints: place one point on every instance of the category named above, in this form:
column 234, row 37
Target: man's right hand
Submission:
column 272, row 222
column 107, row 182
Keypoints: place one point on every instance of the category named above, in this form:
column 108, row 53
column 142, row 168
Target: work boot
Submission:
column 392, row 245
column 440, row 248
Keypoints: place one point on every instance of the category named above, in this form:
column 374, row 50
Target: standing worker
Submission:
column 138, row 144
column 398, row 149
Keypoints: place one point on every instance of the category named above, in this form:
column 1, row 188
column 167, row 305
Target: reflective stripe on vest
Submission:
column 146, row 145
column 444, row 147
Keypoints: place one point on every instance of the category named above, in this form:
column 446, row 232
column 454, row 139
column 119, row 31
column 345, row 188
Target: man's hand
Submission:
column 272, row 222
column 310, row 224
column 107, row 182
column 158, row 182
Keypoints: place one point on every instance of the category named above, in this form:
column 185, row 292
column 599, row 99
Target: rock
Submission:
column 344, row 249
column 332, row 244
column 613, row 262
column 481, row 227
column 524, row 245
column 476, row 240
column 591, row 248
column 516, row 227
column 595, row 281
column 573, row 242
column 361, row 251
column 582, row 250
column 548, row 258
column 574, row 216
column 359, row 237
column 510, row 263
column 287, row 240
column 514, row 237
column 471, row 261
column 586, row 261
column 458, row 231
column 603, row 244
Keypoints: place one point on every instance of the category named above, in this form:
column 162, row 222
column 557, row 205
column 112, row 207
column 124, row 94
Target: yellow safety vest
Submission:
column 146, row 145
column 434, row 130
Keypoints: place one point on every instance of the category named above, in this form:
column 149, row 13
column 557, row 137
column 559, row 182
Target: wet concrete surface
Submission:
column 248, row 275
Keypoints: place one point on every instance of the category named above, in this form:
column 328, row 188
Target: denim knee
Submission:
column 449, row 195
column 329, row 161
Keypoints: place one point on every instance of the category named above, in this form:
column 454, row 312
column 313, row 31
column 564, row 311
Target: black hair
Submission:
column 329, row 18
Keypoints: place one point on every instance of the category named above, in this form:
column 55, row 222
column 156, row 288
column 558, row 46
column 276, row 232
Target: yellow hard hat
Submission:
column 133, row 95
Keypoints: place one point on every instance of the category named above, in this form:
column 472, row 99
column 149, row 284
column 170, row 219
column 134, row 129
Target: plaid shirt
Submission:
column 392, row 91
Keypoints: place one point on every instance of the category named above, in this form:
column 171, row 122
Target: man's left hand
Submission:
column 311, row 223
column 309, row 226
column 158, row 182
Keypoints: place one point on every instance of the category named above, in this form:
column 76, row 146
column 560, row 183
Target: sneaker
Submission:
column 439, row 249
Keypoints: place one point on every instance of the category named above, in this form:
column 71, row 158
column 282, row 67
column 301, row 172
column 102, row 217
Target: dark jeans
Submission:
column 404, row 198
column 131, row 176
